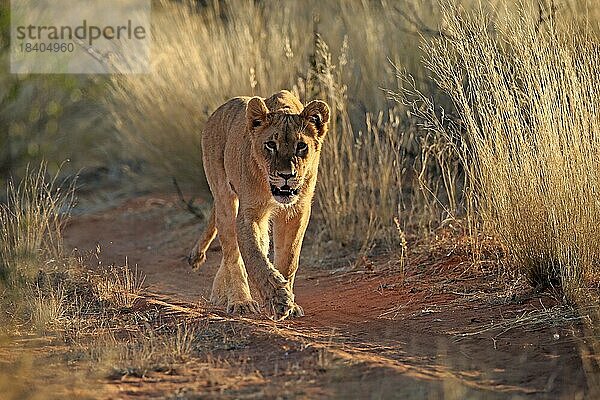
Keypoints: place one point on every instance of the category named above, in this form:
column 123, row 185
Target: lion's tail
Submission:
column 198, row 254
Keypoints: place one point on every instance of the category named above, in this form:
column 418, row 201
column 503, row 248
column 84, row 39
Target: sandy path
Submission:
column 408, row 346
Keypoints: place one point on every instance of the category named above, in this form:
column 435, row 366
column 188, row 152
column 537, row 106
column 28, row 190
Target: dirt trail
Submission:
column 393, row 333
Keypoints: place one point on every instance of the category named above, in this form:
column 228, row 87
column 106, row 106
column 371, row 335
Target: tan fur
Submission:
column 261, row 158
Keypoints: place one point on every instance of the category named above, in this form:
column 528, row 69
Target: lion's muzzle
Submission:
column 284, row 189
column 284, row 194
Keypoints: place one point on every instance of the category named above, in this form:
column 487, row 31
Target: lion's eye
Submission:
column 300, row 147
column 271, row 145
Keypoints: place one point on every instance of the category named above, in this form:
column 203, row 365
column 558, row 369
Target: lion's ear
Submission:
column 256, row 112
column 317, row 114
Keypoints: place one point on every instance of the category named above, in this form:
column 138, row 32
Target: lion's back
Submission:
column 226, row 122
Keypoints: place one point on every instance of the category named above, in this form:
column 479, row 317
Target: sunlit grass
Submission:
column 529, row 97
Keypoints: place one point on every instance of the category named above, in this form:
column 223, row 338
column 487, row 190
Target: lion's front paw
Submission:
column 196, row 258
column 281, row 303
column 243, row 307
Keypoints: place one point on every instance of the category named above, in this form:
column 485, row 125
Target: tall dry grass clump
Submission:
column 529, row 97
column 30, row 226
column 360, row 173
column 33, row 268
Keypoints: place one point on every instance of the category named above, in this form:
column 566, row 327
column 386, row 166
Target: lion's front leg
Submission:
column 252, row 232
column 288, row 233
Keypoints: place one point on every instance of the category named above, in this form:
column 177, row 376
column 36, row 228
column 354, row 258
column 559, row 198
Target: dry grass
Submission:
column 120, row 286
column 359, row 169
column 530, row 321
column 33, row 269
column 48, row 308
column 144, row 350
column 31, row 221
column 529, row 101
column 52, row 294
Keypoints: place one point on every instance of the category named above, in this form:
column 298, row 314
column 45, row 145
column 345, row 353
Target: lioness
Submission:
column 261, row 158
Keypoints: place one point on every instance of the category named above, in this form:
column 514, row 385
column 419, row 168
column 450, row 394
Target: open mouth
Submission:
column 285, row 192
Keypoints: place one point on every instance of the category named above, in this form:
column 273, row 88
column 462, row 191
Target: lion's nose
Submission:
column 287, row 175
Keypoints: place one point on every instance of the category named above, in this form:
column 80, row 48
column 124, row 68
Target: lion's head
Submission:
column 285, row 145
